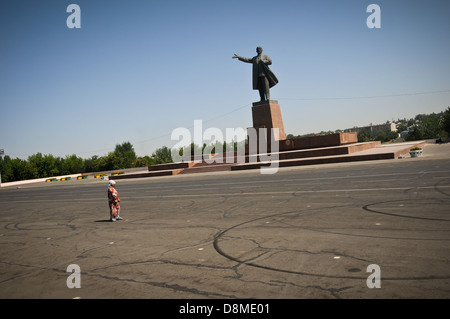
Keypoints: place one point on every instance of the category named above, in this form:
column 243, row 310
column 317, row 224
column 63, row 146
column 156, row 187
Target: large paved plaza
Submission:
column 304, row 232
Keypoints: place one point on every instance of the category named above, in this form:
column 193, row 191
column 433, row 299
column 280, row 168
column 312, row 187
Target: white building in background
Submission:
column 374, row 129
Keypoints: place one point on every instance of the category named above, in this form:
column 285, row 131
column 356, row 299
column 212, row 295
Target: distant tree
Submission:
column 47, row 165
column 91, row 164
column 144, row 161
column 53, row 165
column 392, row 135
column 127, row 153
column 124, row 148
column 420, row 117
column 37, row 160
column 73, row 164
column 6, row 169
column 431, row 125
column 20, row 170
column 402, row 126
column 381, row 136
column 162, row 155
column 446, row 121
column 415, row 134
column 150, row 160
column 364, row 136
column 112, row 161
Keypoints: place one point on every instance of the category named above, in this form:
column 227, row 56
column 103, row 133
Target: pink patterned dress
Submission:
column 113, row 200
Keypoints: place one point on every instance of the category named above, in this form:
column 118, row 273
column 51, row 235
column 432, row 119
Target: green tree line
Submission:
column 123, row 156
column 40, row 166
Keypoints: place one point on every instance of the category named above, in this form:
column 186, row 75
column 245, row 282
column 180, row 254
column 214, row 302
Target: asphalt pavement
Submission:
column 376, row 229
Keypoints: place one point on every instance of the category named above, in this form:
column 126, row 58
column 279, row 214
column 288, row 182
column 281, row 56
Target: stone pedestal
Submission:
column 266, row 115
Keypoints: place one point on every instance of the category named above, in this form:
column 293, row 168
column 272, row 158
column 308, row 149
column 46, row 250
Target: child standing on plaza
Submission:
column 113, row 200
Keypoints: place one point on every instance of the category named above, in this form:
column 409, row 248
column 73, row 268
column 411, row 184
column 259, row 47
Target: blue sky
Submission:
column 137, row 70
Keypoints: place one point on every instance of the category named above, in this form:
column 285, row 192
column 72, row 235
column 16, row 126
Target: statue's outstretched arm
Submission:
column 240, row 58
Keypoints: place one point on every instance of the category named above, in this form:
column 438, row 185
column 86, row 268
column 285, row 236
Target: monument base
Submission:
column 267, row 114
column 267, row 127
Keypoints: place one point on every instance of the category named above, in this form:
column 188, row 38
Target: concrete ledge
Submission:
column 328, row 151
column 208, row 168
column 37, row 180
column 170, row 166
column 315, row 161
column 381, row 152
column 149, row 174
column 320, row 141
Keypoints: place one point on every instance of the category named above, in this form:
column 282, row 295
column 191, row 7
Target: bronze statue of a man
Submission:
column 263, row 77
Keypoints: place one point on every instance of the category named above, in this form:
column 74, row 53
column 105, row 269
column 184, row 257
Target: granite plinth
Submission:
column 267, row 114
